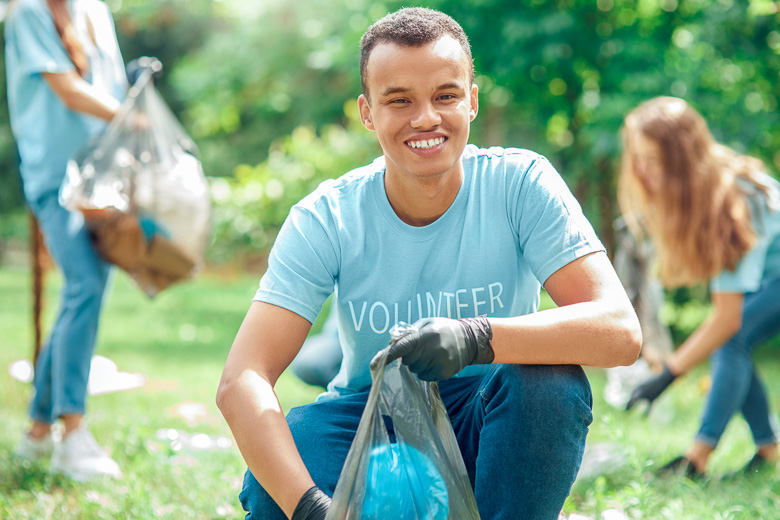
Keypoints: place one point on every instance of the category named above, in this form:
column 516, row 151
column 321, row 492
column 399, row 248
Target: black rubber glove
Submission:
column 442, row 347
column 313, row 505
column 651, row 388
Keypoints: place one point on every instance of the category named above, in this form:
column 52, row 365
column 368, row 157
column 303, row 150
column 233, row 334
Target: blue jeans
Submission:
column 736, row 386
column 62, row 370
column 521, row 430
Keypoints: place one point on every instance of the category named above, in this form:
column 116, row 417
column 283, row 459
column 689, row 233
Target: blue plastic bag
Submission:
column 402, row 481
column 404, row 462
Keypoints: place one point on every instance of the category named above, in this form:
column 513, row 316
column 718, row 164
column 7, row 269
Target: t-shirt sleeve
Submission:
column 302, row 265
column 37, row 41
column 747, row 276
column 749, row 273
column 552, row 230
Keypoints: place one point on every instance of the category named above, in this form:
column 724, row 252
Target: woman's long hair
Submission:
column 698, row 217
column 67, row 31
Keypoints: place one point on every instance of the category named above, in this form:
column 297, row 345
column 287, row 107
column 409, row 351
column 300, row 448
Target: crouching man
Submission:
column 459, row 240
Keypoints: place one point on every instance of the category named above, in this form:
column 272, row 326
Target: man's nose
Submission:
column 426, row 116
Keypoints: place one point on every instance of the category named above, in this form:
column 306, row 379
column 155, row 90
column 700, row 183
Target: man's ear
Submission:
column 365, row 113
column 474, row 102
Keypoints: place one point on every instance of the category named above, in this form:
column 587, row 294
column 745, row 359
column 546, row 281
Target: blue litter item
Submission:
column 402, row 483
column 151, row 227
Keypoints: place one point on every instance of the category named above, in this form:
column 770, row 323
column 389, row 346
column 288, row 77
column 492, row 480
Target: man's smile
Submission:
column 426, row 144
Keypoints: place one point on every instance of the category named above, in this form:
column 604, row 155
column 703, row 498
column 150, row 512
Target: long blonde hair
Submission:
column 67, row 31
column 63, row 23
column 699, row 219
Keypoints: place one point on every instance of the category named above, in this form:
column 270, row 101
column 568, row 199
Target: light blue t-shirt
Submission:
column 513, row 223
column 47, row 133
column 762, row 263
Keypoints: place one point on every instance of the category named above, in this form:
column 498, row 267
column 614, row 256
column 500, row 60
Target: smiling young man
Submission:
column 457, row 240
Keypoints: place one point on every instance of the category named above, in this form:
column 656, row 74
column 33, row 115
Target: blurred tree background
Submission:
column 267, row 90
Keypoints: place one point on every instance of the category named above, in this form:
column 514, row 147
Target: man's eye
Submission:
column 398, row 101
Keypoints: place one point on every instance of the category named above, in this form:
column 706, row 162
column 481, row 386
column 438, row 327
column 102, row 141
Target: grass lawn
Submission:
column 179, row 341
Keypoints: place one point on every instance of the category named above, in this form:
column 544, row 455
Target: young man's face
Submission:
column 420, row 105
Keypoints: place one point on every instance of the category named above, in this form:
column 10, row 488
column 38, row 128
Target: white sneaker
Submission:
column 79, row 457
column 34, row 449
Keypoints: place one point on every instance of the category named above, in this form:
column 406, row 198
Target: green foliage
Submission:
column 11, row 195
column 249, row 207
column 568, row 71
column 554, row 76
column 272, row 67
column 557, row 77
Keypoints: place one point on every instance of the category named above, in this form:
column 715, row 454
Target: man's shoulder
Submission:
column 361, row 174
column 352, row 184
column 510, row 164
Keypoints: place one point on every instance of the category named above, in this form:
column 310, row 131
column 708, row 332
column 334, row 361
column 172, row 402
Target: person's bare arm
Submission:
column 594, row 323
column 81, row 96
column 716, row 330
column 266, row 343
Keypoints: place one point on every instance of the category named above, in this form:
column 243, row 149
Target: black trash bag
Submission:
column 413, row 472
column 142, row 191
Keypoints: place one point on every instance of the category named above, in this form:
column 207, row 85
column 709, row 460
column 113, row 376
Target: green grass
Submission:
column 648, row 442
column 180, row 340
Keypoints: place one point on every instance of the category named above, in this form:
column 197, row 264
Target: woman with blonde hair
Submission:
column 66, row 79
column 713, row 216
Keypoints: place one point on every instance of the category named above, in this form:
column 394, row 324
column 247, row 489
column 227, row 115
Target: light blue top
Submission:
column 762, row 263
column 513, row 223
column 47, row 133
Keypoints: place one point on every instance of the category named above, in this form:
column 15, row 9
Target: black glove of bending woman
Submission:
column 313, row 505
column 651, row 388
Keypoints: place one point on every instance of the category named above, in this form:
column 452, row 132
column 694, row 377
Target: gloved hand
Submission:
column 650, row 389
column 313, row 505
column 442, row 347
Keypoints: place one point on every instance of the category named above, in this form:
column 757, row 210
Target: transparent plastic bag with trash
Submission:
column 142, row 191
column 404, row 461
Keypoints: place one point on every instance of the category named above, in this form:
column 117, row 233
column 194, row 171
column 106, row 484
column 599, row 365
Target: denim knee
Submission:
column 526, row 438
column 554, row 390
column 257, row 502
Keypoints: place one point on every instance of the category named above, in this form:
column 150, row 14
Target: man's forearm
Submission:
column 255, row 417
column 588, row 333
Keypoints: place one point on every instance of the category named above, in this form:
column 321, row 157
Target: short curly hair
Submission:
column 411, row 27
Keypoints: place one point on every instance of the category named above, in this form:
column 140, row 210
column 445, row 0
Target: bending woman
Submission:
column 66, row 79
column 713, row 216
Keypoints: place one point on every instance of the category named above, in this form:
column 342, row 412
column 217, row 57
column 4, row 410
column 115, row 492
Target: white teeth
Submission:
column 426, row 143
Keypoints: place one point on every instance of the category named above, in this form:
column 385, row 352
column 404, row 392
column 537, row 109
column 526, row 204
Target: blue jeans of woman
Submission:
column 62, row 370
column 521, row 430
column 736, row 386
